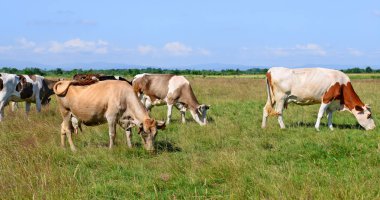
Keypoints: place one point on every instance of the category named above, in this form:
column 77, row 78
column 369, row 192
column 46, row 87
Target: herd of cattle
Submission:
column 93, row 99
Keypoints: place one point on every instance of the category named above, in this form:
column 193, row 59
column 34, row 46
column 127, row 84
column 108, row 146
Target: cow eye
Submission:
column 369, row 116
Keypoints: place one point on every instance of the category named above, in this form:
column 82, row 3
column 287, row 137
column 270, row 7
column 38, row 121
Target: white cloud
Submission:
column 172, row 49
column 146, row 49
column 5, row 48
column 376, row 13
column 204, row 52
column 354, row 52
column 78, row 45
column 299, row 49
column 177, row 49
column 25, row 44
column 314, row 49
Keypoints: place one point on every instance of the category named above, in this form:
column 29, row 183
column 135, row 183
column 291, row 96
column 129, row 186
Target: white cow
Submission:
column 37, row 90
column 11, row 86
column 330, row 88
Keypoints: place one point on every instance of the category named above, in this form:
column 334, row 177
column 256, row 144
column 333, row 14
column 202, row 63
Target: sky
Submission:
column 171, row 33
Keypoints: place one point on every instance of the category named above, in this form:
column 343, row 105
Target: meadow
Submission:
column 230, row 158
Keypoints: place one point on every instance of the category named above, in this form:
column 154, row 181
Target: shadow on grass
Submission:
column 161, row 146
column 337, row 126
column 166, row 146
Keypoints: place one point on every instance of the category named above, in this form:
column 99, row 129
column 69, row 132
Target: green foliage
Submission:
column 130, row 72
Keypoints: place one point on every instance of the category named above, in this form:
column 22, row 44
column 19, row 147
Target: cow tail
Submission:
column 61, row 87
column 270, row 101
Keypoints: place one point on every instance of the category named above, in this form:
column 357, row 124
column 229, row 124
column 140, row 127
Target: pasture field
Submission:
column 231, row 158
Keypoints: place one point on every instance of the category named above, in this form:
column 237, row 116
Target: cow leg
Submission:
column 112, row 132
column 170, row 109
column 279, row 108
column 66, row 129
column 38, row 102
column 2, row 111
column 329, row 119
column 182, row 110
column 14, row 106
column 322, row 110
column 27, row 107
column 148, row 104
column 128, row 133
column 267, row 107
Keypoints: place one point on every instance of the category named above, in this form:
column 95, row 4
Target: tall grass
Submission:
column 231, row 158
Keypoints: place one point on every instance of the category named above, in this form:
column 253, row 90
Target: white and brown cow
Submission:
column 331, row 88
column 160, row 89
column 112, row 102
column 11, row 86
column 36, row 90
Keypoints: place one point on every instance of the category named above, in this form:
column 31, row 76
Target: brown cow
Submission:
column 100, row 77
column 158, row 89
column 112, row 102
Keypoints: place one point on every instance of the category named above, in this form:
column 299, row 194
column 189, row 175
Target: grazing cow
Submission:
column 11, row 88
column 112, row 102
column 37, row 90
column 158, row 89
column 331, row 88
column 88, row 77
column 100, row 77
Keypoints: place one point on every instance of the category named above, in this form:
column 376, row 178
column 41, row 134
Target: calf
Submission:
column 112, row 102
column 331, row 88
column 159, row 89
column 37, row 90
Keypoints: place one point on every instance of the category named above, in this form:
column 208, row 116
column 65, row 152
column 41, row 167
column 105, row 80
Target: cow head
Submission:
column 201, row 114
column 364, row 116
column 148, row 132
column 24, row 88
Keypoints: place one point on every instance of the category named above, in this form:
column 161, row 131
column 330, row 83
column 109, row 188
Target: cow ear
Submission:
column 22, row 79
column 359, row 108
column 161, row 125
column 20, row 83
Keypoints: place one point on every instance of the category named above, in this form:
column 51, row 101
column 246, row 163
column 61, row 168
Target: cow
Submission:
column 87, row 78
column 112, row 102
column 11, row 88
column 38, row 90
column 160, row 89
column 307, row 86
column 100, row 77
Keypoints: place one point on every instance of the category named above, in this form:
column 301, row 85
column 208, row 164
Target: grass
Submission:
column 231, row 158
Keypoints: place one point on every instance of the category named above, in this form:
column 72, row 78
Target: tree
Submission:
column 368, row 69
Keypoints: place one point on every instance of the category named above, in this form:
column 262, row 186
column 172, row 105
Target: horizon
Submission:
column 196, row 34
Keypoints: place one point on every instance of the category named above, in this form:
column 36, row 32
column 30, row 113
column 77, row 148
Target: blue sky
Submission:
column 186, row 33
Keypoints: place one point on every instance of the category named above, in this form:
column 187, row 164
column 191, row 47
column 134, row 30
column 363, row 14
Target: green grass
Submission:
column 231, row 158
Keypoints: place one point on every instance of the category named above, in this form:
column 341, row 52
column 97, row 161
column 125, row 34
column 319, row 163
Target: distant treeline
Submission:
column 133, row 72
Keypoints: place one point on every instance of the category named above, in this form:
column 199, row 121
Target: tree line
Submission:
column 134, row 71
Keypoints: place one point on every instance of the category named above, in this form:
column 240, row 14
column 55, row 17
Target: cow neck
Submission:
column 350, row 98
